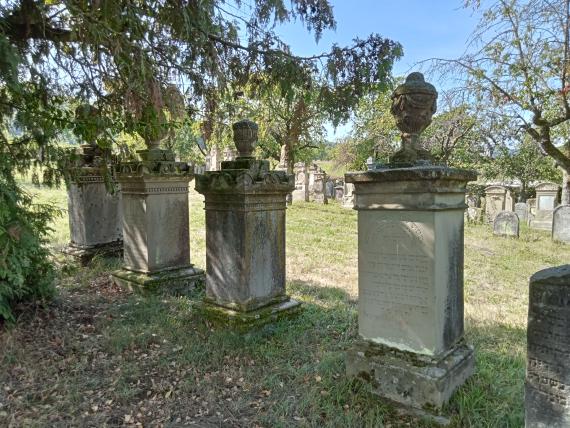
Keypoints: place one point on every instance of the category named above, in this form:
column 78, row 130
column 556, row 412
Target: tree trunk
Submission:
column 565, row 198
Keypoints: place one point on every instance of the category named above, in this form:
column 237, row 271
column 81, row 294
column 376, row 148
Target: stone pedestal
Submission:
column 410, row 281
column 156, row 225
column 547, row 386
column 245, row 242
column 95, row 220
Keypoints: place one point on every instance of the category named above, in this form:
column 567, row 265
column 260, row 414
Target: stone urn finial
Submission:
column 413, row 105
column 245, row 137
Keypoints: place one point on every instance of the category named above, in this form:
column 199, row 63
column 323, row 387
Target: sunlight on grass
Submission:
column 159, row 354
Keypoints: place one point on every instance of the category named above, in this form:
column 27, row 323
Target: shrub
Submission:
column 26, row 273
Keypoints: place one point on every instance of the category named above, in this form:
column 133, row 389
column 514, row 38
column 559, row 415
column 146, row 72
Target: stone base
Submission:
column 86, row 254
column 176, row 281
column 542, row 225
column 412, row 380
column 244, row 321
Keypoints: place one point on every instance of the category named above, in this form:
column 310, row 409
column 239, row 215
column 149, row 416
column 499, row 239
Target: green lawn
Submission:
column 100, row 356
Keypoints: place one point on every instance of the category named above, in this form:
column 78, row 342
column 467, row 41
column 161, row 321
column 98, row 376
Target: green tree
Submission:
column 146, row 67
column 521, row 160
column 518, row 68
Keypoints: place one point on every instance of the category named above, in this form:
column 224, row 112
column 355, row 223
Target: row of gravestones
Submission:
column 507, row 223
column 313, row 184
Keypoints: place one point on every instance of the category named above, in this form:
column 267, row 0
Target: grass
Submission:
column 100, row 356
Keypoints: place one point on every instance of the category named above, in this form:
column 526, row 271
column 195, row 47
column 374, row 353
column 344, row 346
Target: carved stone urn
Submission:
column 413, row 105
column 245, row 137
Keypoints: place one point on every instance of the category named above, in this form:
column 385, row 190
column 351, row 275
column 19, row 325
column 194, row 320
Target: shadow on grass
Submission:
column 158, row 354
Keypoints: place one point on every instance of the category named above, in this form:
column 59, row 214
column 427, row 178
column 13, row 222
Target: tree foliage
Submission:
column 155, row 68
column 517, row 68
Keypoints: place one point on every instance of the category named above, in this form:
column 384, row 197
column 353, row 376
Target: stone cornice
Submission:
column 255, row 179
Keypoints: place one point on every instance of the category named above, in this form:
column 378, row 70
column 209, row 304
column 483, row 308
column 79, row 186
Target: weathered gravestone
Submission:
column 410, row 267
column 521, row 209
column 348, row 195
column 301, row 192
column 329, row 189
column 561, row 224
column 317, row 180
column 546, row 201
column 245, row 237
column 531, row 202
column 339, row 193
column 495, row 198
column 156, row 224
column 506, row 224
column 95, row 217
column 547, row 386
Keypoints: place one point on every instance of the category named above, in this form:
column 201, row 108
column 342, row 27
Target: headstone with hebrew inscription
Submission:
column 410, row 267
column 506, row 224
column 547, row 386
column 561, row 224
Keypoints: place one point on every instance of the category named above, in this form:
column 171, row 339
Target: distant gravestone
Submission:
column 339, row 192
column 494, row 201
column 547, row 386
column 561, row 224
column 521, row 209
column 329, row 189
column 506, row 223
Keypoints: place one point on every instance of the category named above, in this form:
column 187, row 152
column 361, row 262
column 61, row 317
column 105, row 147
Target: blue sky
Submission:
column 426, row 29
column 436, row 28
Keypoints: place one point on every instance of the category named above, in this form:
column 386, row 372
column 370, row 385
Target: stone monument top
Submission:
column 245, row 173
column 413, row 104
column 245, row 137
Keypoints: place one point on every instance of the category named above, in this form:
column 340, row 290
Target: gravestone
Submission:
column 348, row 195
column 521, row 209
column 410, row 266
column 317, row 180
column 301, row 192
column 473, row 215
column 339, row 193
column 495, row 197
column 156, row 224
column 509, row 201
column 329, row 189
column 547, row 386
column 214, row 159
column 95, row 217
column 546, row 201
column 561, row 224
column 531, row 202
column 245, row 238
column 506, row 223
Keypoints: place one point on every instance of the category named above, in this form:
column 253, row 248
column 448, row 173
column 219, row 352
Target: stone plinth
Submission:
column 410, row 281
column 245, row 243
column 156, row 225
column 95, row 220
column 547, row 386
column 546, row 201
